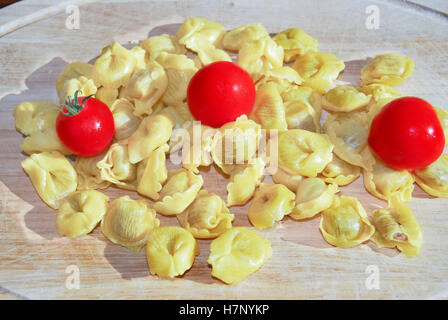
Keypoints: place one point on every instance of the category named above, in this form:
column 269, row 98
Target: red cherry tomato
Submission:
column 407, row 134
column 85, row 126
column 219, row 93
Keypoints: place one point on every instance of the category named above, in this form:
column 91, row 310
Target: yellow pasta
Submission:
column 291, row 181
column 345, row 223
column 396, row 226
column 72, row 71
column 300, row 114
column 129, row 222
column 81, row 212
column 207, row 217
column 237, row 253
column 46, row 140
column 318, row 69
column 236, row 38
column 34, row 116
column 295, row 42
column 259, row 56
column 107, row 95
column 153, row 132
column 312, row 197
column 89, row 175
column 154, row 173
column 270, row 204
column 243, row 181
column 443, row 118
column 126, row 122
column 202, row 28
column 85, row 86
column 304, row 152
column 284, row 76
column 384, row 182
column 171, row 251
column 345, row 99
column 179, row 192
column 340, row 172
column 162, row 43
column 52, row 176
column 434, row 178
column 389, row 69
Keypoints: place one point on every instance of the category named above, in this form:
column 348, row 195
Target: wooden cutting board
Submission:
column 35, row 262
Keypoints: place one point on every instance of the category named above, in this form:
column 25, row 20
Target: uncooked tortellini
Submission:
column 312, row 196
column 396, row 226
column 52, row 176
column 295, row 42
column 348, row 132
column 443, row 118
column 345, row 99
column 114, row 66
column 170, row 251
column 179, row 192
column 46, row 140
column 153, row 132
column 237, row 253
column 304, row 152
column 34, row 116
column 154, row 173
column 345, row 223
column 85, row 86
column 236, row 38
column 340, row 172
column 81, row 212
column 318, row 69
column 126, row 122
column 73, row 70
column 300, row 114
column 116, row 168
column 203, row 28
column 384, row 182
column 270, row 204
column 291, row 181
column 286, row 77
column 107, row 95
column 390, row 69
column 89, row 175
column 434, row 178
column 129, row 222
column 259, row 56
column 207, row 217
column 162, row 43
column 243, row 181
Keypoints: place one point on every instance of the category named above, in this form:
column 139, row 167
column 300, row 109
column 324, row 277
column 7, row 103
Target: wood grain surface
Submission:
column 34, row 258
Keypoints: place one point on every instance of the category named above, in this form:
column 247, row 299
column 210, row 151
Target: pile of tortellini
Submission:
column 145, row 88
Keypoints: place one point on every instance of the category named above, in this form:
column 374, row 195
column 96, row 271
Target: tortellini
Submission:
column 207, row 52
column 89, row 175
column 107, row 95
column 179, row 192
column 194, row 28
column 390, row 69
column 154, row 173
column 162, row 43
column 312, row 196
column 295, row 42
column 291, row 181
column 237, row 253
column 243, row 181
column 300, row 114
column 114, row 66
column 236, row 38
column 153, row 132
column 171, row 251
column 116, row 168
column 259, row 56
column 340, row 172
column 396, row 226
column 348, row 132
column 268, row 109
column 434, row 178
column 384, row 182
column 345, row 223
column 85, row 86
column 270, row 204
column 207, row 217
column 129, row 222
column 345, row 99
column 443, row 118
column 179, row 70
column 81, row 212
column 146, row 87
column 318, row 69
column 236, row 142
column 126, row 122
column 46, row 140
column 285, row 77
column 34, row 116
column 72, row 70
column 52, row 176
column 303, row 152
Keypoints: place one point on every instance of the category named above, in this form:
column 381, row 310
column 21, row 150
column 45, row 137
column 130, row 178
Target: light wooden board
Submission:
column 34, row 259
